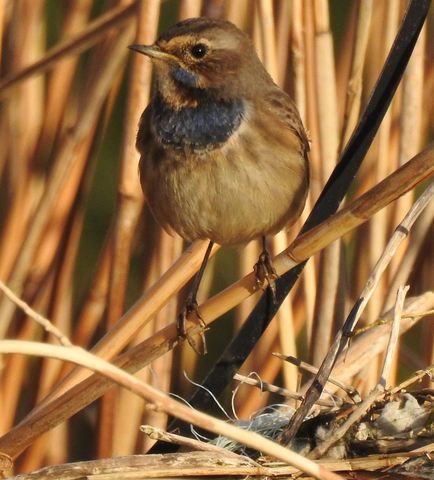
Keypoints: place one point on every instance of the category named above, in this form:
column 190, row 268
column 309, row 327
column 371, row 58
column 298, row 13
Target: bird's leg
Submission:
column 265, row 272
column 191, row 306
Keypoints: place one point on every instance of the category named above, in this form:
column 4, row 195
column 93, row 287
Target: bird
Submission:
column 223, row 151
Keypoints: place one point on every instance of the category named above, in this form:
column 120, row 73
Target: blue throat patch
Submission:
column 185, row 77
column 210, row 123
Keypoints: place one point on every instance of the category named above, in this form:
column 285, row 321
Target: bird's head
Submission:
column 204, row 55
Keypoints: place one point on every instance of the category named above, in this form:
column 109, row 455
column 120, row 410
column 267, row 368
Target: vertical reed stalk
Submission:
column 130, row 197
column 328, row 139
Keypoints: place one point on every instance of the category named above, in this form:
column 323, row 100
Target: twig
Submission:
column 385, row 321
column 413, row 379
column 159, row 434
column 394, row 334
column 282, row 391
column 40, row 319
column 348, row 389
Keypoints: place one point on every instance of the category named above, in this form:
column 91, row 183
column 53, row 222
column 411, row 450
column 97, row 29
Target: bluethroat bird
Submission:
column 223, row 149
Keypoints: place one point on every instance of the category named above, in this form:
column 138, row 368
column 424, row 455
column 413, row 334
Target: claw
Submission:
column 266, row 273
column 190, row 307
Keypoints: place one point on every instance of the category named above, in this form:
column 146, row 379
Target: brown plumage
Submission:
column 223, row 150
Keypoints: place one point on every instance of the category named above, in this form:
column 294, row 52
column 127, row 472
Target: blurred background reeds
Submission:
column 78, row 244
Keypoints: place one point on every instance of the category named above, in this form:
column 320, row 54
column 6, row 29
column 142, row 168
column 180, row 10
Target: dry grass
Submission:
column 78, row 245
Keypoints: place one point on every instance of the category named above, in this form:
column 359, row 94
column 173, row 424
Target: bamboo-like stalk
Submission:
column 131, row 412
column 410, row 127
column 355, row 81
column 237, row 12
column 286, row 329
column 378, row 225
column 418, row 237
column 189, row 9
column 24, row 107
column 298, row 63
column 283, row 24
column 311, row 98
column 248, row 257
column 61, row 314
column 130, row 197
column 60, row 78
column 257, row 31
column 95, row 303
column 2, row 22
column 63, row 293
column 344, row 55
column 383, row 164
column 62, row 209
column 26, row 197
column 428, row 353
column 130, row 409
column 328, row 275
column 268, row 36
column 410, row 136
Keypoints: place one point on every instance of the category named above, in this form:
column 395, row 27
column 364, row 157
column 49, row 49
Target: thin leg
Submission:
column 265, row 272
column 192, row 306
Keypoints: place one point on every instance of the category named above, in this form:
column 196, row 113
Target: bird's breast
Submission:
column 207, row 125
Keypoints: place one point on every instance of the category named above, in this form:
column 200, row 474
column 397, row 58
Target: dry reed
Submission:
column 110, row 280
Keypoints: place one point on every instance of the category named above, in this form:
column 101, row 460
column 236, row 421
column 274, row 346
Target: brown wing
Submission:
column 281, row 104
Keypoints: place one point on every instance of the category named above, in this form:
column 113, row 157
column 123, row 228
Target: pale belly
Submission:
column 230, row 195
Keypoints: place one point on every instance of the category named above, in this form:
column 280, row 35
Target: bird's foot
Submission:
column 266, row 274
column 191, row 307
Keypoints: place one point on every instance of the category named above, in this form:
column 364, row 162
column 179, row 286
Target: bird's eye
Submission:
column 199, row 50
